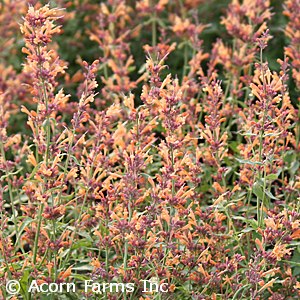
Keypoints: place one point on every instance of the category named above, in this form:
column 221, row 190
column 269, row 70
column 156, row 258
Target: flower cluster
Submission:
column 138, row 143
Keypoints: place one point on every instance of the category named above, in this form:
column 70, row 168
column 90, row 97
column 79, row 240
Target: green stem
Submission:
column 75, row 231
column 36, row 239
column 263, row 199
column 126, row 244
column 234, row 229
column 46, row 99
column 261, row 136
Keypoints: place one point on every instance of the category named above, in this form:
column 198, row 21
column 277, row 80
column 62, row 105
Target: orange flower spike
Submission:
column 259, row 244
column 65, row 274
column 49, row 268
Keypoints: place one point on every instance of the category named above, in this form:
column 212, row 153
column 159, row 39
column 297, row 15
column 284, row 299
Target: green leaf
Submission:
column 236, row 295
column 82, row 244
column 248, row 229
column 272, row 176
column 252, row 222
column 234, row 146
column 34, row 171
column 258, row 191
column 83, row 268
column 249, row 162
column 270, row 195
column 142, row 69
column 24, row 281
column 80, row 277
column 272, row 134
column 11, row 173
column 25, row 223
column 289, row 156
column 294, row 167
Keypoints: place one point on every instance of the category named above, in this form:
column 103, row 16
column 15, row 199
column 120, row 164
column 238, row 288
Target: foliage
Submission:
column 150, row 140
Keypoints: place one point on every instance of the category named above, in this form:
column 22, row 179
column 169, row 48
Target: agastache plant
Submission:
column 151, row 145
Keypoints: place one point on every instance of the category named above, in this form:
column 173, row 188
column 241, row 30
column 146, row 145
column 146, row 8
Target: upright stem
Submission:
column 46, row 100
column 66, row 260
column 126, row 244
column 261, row 136
column 36, row 239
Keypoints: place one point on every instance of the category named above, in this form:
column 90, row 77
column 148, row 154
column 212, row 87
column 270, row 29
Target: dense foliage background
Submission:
column 150, row 140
